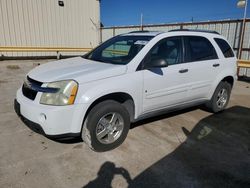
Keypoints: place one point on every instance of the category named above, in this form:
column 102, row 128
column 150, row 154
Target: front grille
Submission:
column 27, row 88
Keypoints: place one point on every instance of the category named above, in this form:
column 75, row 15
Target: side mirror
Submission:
column 157, row 63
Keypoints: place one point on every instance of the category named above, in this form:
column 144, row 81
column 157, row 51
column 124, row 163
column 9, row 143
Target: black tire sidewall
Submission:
column 222, row 85
column 95, row 115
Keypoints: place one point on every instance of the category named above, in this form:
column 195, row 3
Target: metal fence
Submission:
column 231, row 29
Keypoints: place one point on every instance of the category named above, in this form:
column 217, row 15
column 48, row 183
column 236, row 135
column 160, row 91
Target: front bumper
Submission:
column 38, row 129
column 52, row 121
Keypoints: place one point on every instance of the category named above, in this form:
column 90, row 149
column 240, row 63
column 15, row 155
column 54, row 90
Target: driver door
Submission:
column 166, row 86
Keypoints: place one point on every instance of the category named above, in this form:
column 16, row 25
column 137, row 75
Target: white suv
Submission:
column 125, row 79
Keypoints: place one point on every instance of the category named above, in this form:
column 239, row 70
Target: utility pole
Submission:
column 241, row 4
column 141, row 22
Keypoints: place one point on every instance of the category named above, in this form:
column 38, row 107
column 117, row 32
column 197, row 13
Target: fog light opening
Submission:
column 42, row 117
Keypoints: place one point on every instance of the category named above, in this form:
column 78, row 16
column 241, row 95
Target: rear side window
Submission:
column 199, row 49
column 225, row 48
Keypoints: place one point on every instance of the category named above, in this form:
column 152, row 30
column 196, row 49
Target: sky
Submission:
column 128, row 12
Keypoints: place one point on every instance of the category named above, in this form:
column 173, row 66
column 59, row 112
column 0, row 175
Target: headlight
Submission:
column 65, row 95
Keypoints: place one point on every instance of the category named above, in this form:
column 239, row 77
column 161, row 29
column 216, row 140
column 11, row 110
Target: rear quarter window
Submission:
column 225, row 48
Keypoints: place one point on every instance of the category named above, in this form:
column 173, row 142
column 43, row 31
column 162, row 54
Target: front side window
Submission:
column 169, row 49
column 118, row 50
column 199, row 49
column 225, row 48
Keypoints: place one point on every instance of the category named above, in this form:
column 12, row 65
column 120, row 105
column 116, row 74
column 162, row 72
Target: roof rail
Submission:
column 144, row 31
column 196, row 30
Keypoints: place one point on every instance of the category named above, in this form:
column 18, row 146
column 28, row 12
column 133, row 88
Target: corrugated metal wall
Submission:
column 228, row 28
column 43, row 23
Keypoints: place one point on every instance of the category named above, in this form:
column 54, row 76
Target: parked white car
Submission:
column 127, row 78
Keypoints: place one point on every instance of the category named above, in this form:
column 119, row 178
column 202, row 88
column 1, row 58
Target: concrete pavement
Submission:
column 190, row 148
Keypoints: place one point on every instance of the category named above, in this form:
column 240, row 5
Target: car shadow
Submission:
column 244, row 79
column 164, row 116
column 156, row 71
column 216, row 153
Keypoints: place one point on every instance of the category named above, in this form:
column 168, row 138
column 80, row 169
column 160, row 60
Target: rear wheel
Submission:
column 106, row 126
column 220, row 97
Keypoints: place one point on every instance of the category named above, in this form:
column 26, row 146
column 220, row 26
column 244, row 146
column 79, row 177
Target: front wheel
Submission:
column 220, row 97
column 106, row 126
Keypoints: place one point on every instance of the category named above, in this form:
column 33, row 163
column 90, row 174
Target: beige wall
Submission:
column 43, row 23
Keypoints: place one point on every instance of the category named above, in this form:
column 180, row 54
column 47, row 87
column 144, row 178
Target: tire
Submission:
column 106, row 126
column 220, row 98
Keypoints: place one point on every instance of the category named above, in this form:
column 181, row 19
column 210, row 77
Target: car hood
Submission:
column 78, row 68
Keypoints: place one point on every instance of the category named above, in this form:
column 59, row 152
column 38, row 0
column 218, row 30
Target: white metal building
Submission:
column 42, row 24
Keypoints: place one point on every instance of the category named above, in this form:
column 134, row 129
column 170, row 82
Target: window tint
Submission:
column 225, row 48
column 118, row 50
column 199, row 49
column 169, row 49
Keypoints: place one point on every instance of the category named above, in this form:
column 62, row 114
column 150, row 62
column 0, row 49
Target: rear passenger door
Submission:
column 203, row 66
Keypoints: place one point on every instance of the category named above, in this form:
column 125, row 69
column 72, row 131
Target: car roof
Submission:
column 143, row 33
column 194, row 30
column 177, row 32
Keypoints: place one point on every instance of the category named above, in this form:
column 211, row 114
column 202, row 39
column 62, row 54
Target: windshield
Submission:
column 118, row 50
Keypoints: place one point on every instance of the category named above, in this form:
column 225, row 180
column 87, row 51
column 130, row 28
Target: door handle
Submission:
column 183, row 70
column 216, row 65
